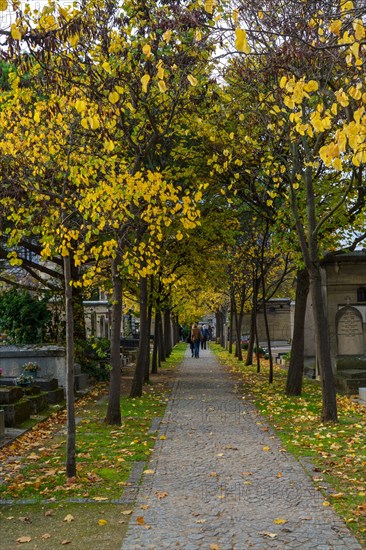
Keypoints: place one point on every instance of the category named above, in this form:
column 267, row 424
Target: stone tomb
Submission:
column 351, row 358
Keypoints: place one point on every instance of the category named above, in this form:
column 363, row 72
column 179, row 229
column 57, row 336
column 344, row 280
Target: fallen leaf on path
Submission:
column 46, row 536
column 127, row 512
column 279, row 475
column 279, row 521
column 161, row 494
column 99, row 499
column 21, row 540
column 25, row 519
column 200, row 521
column 48, row 513
column 336, row 495
column 145, row 506
column 266, row 534
column 266, row 448
column 215, row 547
column 149, row 472
column 214, row 474
column 162, row 437
column 140, row 520
column 10, row 517
column 102, row 522
column 69, row 518
column 66, row 541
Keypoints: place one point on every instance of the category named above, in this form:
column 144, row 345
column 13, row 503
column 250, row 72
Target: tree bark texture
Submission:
column 143, row 356
column 70, row 391
column 113, row 416
column 296, row 368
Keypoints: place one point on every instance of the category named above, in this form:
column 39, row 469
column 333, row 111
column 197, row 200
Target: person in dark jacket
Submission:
column 196, row 337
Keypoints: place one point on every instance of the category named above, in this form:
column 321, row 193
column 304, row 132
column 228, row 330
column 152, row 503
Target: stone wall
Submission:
column 51, row 359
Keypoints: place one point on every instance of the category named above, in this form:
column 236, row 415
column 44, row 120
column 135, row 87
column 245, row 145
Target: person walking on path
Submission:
column 204, row 337
column 220, row 479
column 196, row 337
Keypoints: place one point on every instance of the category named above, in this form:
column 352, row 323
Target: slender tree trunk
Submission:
column 257, row 352
column 113, row 416
column 143, row 355
column 253, row 321
column 149, row 322
column 70, row 391
column 161, row 355
column 296, row 368
column 218, row 326
column 329, row 410
column 270, row 375
column 222, row 314
column 154, row 364
column 231, row 326
column 167, row 333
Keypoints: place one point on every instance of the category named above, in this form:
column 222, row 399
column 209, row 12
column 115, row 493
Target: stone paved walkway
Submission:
column 220, row 479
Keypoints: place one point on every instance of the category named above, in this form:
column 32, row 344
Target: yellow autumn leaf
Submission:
column 311, row 86
column 80, row 106
column 108, row 145
column 266, row 448
column 335, row 26
column 162, row 437
column 15, row 32
column 3, row 5
column 192, row 80
column 84, row 123
column 359, row 29
column 36, row 117
column 167, row 35
column 113, row 97
column 102, row 522
column 279, row 521
column 260, row 15
column 147, row 50
column 94, row 122
column 106, row 66
column 241, row 43
column 209, row 6
column 162, row 86
column 145, row 81
column 69, row 518
column 73, row 40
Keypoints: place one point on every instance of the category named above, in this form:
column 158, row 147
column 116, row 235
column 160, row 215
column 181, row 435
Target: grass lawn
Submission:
column 36, row 497
column 337, row 451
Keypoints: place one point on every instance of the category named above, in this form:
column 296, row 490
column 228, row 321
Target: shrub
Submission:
column 23, row 317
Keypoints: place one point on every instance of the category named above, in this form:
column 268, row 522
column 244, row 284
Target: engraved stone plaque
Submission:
column 350, row 332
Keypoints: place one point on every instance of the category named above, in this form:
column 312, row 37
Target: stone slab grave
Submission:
column 16, row 406
column 351, row 358
column 2, row 424
column 54, row 394
column 362, row 395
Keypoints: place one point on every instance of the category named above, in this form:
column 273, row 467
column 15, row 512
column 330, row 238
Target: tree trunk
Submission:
column 296, row 368
column 253, row 321
column 161, row 354
column 113, row 416
column 167, row 333
column 143, row 355
column 70, row 391
column 218, row 326
column 154, row 364
column 329, row 409
column 149, row 322
column 232, row 298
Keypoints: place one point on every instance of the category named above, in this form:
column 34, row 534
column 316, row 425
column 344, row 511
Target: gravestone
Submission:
column 350, row 336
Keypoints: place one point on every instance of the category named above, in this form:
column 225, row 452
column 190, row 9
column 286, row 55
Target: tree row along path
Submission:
column 220, row 479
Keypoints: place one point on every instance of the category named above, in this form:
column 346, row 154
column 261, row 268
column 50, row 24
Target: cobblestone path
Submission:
column 221, row 479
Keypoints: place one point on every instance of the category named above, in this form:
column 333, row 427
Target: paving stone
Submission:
column 222, row 488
